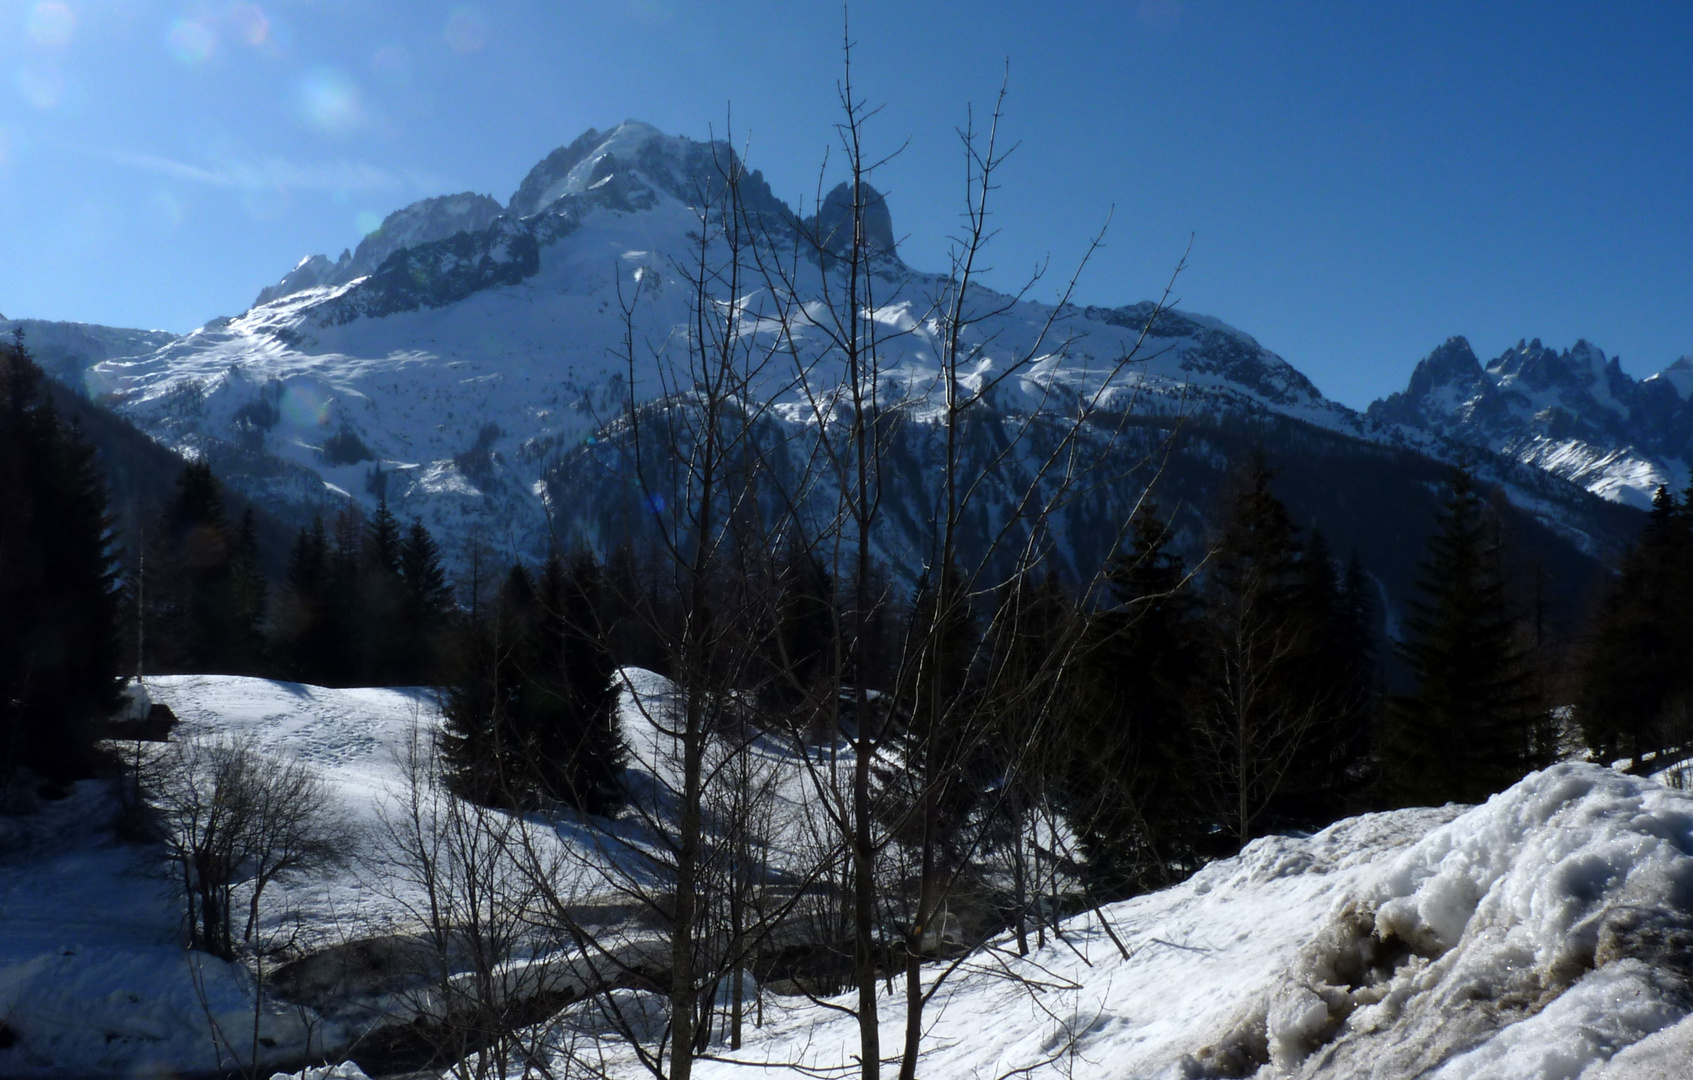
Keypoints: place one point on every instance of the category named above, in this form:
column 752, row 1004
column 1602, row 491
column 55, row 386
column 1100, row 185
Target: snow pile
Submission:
column 1547, row 934
column 1537, row 937
column 1532, row 937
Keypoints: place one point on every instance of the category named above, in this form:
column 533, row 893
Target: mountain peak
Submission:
column 835, row 215
column 1453, row 363
column 596, row 157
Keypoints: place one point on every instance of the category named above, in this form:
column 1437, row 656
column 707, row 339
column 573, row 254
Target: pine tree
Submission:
column 1128, row 746
column 381, row 602
column 1465, row 731
column 303, row 642
column 59, row 647
column 249, row 602
column 426, row 607
column 484, row 746
column 802, row 639
column 206, row 593
column 1258, row 707
column 1336, row 674
column 572, row 689
column 1636, row 691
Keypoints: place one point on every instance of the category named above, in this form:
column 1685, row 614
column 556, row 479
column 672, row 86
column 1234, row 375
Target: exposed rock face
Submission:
column 476, row 368
column 423, row 222
column 833, row 222
column 1574, row 413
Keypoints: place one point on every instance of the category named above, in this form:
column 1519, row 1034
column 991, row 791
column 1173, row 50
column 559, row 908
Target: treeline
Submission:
column 60, row 650
column 1191, row 708
column 1207, row 701
column 364, row 601
column 1634, row 697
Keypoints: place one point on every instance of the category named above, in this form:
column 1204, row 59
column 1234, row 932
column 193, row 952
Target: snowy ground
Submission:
column 1547, row 934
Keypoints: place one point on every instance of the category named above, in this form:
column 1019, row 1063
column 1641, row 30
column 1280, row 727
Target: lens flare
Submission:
column 367, row 222
column 329, row 101
column 191, row 41
column 467, row 30
column 42, row 87
column 303, row 407
column 251, row 24
column 52, row 23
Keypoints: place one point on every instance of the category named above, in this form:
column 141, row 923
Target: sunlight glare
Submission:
column 329, row 101
column 303, row 407
column 192, row 41
column 52, row 23
column 251, row 24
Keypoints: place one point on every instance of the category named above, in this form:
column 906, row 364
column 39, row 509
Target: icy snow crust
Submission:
column 1539, row 936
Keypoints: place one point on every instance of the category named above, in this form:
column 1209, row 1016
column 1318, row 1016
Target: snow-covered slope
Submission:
column 466, row 351
column 1543, row 935
column 1574, row 413
column 66, row 350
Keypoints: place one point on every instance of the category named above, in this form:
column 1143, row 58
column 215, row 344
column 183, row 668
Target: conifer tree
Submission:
column 1636, row 683
column 1337, row 674
column 207, row 597
column 303, row 642
column 485, row 753
column 1257, row 706
column 59, row 648
column 426, row 607
column 1129, row 744
column 1467, row 728
column 249, row 601
column 572, row 689
column 380, row 606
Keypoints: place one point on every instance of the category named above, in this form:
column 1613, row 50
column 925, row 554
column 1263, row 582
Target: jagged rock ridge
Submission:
column 1574, row 413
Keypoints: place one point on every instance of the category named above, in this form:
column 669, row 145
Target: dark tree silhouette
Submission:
column 59, row 648
column 1468, row 728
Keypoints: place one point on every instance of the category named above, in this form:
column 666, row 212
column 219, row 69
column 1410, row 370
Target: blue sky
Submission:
column 1361, row 180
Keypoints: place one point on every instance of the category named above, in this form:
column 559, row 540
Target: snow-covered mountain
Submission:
column 465, row 348
column 465, row 359
column 66, row 350
column 1574, row 413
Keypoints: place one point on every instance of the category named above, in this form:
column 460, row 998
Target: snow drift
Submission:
column 1546, row 934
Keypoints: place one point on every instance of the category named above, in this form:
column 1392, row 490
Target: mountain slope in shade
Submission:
column 1574, row 413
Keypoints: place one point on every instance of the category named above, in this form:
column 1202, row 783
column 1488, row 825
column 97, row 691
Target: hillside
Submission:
column 1539, row 936
column 466, row 360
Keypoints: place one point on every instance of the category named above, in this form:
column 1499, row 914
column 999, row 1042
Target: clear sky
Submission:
column 1361, row 180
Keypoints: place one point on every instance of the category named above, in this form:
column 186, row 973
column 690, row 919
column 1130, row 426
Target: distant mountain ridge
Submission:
column 463, row 358
column 1574, row 413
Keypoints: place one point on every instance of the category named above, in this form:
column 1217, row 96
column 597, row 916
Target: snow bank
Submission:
column 93, row 978
column 1547, row 935
column 1534, row 936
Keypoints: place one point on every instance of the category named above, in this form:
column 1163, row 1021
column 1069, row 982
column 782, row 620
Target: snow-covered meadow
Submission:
column 1546, row 934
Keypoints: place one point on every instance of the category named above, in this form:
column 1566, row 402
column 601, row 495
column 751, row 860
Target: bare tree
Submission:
column 236, row 819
